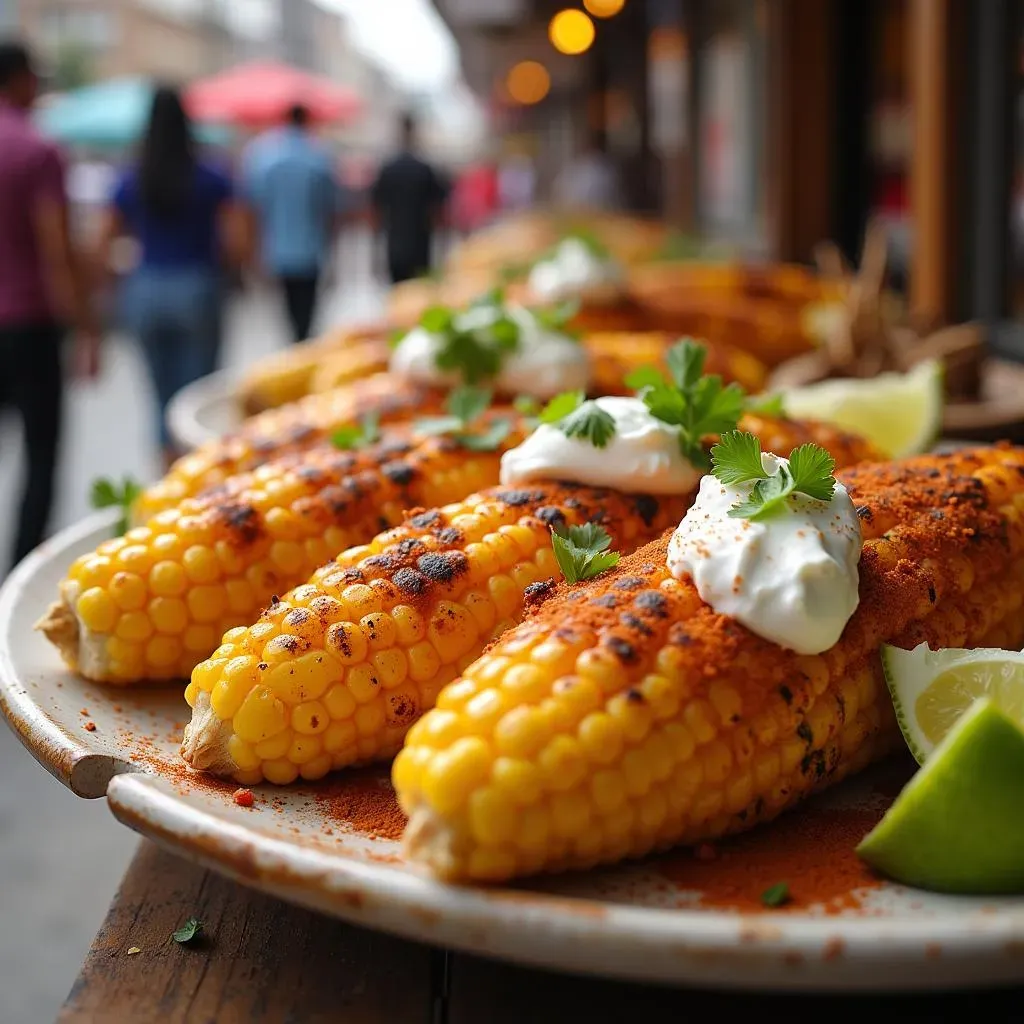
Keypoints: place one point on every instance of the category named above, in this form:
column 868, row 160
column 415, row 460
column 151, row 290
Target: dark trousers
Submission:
column 30, row 382
column 300, row 302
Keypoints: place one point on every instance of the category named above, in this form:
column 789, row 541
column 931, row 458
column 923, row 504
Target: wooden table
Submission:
column 266, row 962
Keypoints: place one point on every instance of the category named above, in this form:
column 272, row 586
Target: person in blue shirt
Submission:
column 291, row 185
column 181, row 212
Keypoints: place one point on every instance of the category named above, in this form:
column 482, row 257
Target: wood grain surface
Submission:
column 266, row 962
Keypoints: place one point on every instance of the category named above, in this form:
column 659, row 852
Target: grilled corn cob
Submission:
column 626, row 716
column 293, row 427
column 614, row 355
column 287, row 376
column 351, row 659
column 154, row 603
column 337, row 671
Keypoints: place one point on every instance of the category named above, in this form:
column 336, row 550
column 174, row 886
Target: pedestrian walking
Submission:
column 181, row 211
column 408, row 198
column 292, row 187
column 43, row 289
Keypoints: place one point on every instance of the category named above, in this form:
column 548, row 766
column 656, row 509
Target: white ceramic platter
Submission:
column 204, row 410
column 645, row 921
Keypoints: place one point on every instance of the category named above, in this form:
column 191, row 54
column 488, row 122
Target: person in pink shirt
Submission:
column 43, row 289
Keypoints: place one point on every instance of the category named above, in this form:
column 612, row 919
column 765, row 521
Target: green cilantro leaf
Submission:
column 556, row 318
column 188, row 932
column 686, row 363
column 437, row 319
column 367, row 432
column 464, row 406
column 396, row 336
column 467, row 403
column 526, row 405
column 492, row 297
column 776, row 895
column 767, row 405
column 645, row 377
column 737, row 459
column 561, row 406
column 813, row 468
column 108, row 494
column 696, row 404
column 489, row 440
column 590, row 423
column 469, row 355
column 582, row 551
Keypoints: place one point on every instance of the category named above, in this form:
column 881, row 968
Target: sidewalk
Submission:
column 61, row 857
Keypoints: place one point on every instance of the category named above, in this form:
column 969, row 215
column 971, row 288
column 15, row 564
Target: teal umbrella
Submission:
column 110, row 114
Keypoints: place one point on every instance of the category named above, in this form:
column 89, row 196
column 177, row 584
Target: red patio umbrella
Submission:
column 262, row 93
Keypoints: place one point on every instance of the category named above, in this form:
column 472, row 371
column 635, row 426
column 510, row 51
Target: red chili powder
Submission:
column 243, row 797
column 811, row 850
column 365, row 801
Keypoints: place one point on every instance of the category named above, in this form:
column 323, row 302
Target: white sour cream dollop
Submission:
column 791, row 578
column 642, row 456
column 572, row 270
column 544, row 363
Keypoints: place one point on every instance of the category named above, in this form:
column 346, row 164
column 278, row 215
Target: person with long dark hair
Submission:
column 180, row 210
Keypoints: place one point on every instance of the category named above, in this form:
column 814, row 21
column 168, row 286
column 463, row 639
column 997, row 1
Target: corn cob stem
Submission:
column 626, row 716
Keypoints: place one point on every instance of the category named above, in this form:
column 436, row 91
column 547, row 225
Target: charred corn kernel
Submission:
column 691, row 739
column 278, row 432
column 397, row 618
column 220, row 557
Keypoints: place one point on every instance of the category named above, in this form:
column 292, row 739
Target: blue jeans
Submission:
column 177, row 315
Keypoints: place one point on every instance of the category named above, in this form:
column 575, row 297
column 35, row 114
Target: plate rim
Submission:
column 576, row 934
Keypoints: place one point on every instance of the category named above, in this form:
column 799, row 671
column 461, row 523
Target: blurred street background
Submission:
column 758, row 128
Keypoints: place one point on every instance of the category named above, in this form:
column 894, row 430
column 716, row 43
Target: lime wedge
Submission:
column 958, row 825
column 932, row 689
column 901, row 413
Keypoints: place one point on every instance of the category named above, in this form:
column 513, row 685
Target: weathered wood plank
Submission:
column 261, row 962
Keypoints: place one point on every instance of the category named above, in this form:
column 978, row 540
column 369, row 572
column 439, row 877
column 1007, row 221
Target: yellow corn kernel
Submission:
column 261, row 716
column 168, row 579
column 97, row 610
column 128, row 591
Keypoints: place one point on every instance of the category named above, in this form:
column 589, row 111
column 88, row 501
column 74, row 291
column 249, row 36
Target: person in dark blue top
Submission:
column 181, row 212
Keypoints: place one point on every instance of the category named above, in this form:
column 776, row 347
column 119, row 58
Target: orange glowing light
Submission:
column 604, row 8
column 571, row 32
column 528, row 82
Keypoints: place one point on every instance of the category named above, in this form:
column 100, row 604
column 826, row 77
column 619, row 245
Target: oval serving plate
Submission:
column 204, row 410
column 654, row 920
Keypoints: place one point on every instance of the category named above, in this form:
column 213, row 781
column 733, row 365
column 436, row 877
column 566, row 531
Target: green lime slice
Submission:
column 958, row 825
column 901, row 413
column 932, row 689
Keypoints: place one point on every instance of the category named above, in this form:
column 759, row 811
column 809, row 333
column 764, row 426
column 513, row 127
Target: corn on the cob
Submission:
column 337, row 671
column 154, row 603
column 293, row 427
column 380, row 639
column 337, row 369
column 287, row 376
column 626, row 716
column 614, row 355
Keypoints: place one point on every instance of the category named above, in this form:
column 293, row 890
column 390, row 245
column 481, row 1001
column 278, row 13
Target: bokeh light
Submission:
column 528, row 82
column 604, row 8
column 571, row 32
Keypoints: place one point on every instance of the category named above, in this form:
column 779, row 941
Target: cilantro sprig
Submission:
column 360, row 435
column 464, row 406
column 475, row 351
column 576, row 417
column 736, row 459
column 773, row 405
column 188, row 932
column 582, row 551
column 107, row 493
column 697, row 404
